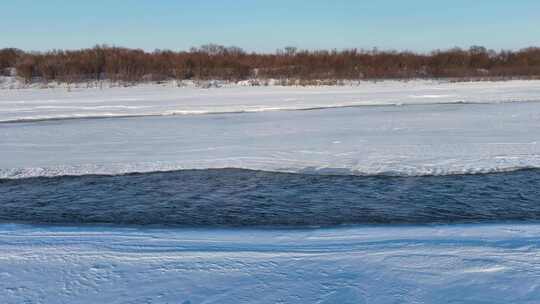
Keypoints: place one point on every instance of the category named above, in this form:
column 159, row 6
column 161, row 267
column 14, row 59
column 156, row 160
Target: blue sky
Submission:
column 265, row 25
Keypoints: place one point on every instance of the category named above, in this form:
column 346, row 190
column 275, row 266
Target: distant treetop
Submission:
column 232, row 63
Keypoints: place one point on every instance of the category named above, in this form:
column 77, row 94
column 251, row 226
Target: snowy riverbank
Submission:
column 439, row 264
column 152, row 99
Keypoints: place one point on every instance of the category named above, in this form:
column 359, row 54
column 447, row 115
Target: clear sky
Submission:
column 264, row 25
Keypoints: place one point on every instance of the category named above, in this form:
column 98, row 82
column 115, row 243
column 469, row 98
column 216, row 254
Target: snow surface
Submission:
column 397, row 140
column 38, row 104
column 440, row 128
column 439, row 264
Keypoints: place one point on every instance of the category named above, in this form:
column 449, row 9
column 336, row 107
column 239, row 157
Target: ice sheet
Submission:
column 396, row 140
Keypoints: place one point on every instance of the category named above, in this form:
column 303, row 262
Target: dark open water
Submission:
column 231, row 197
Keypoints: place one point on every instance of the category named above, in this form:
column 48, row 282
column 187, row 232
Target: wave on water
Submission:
column 233, row 197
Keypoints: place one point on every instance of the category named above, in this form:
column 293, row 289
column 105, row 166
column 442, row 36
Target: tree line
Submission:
column 232, row 63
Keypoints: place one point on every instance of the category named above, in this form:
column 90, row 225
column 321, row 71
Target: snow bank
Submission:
column 441, row 264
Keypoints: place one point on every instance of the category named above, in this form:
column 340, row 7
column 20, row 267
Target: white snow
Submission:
column 59, row 102
column 407, row 140
column 439, row 264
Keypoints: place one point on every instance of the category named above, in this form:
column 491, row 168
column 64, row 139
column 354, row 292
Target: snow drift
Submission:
column 439, row 264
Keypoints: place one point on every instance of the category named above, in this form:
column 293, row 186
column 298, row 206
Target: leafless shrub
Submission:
column 290, row 66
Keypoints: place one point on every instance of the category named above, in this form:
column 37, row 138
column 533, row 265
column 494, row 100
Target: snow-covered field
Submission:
column 36, row 104
column 440, row 264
